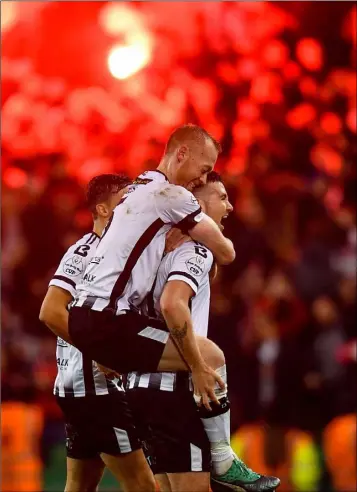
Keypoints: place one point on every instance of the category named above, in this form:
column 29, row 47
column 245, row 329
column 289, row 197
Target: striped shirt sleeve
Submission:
column 72, row 265
column 190, row 263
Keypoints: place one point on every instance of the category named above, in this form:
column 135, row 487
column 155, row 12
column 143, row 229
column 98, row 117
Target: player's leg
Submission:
column 84, row 466
column 104, row 424
column 131, row 470
column 189, row 482
column 177, row 442
column 171, row 359
column 216, row 422
column 117, row 438
column 227, row 468
column 132, row 342
column 153, row 350
column 84, row 475
column 164, row 483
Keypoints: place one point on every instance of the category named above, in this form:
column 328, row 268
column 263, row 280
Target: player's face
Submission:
column 195, row 162
column 216, row 203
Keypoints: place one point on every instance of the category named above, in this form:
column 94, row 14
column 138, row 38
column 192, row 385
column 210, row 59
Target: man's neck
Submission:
column 166, row 167
column 98, row 226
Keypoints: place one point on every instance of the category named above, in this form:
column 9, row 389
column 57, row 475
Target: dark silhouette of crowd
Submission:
column 284, row 108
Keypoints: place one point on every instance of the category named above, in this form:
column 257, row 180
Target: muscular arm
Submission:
column 54, row 311
column 54, row 314
column 208, row 233
column 175, row 309
column 179, row 207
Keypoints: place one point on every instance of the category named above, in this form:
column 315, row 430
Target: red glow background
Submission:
column 242, row 70
column 275, row 82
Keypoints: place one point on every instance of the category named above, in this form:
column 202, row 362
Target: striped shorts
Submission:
column 98, row 424
column 174, row 435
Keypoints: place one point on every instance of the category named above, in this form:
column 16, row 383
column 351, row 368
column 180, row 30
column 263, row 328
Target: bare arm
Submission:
column 174, row 305
column 54, row 311
column 208, row 233
column 54, row 314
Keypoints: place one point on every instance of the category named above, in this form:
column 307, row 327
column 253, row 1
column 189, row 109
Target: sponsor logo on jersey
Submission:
column 195, row 265
column 97, row 259
column 88, row 277
column 73, row 266
column 61, row 343
column 62, row 363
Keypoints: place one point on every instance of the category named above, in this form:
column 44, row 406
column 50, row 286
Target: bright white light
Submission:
column 120, row 18
column 134, row 52
column 124, row 61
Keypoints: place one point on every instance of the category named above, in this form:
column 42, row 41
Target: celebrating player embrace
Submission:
column 108, row 324
column 186, row 443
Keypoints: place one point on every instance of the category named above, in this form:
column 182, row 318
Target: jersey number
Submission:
column 201, row 251
column 82, row 250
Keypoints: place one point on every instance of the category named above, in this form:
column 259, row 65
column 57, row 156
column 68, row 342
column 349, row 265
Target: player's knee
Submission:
column 217, row 357
column 211, row 353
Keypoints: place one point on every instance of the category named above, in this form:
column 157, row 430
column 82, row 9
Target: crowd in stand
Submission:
column 284, row 107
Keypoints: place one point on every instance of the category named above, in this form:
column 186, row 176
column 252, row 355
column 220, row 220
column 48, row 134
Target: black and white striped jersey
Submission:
column 129, row 253
column 77, row 376
column 191, row 263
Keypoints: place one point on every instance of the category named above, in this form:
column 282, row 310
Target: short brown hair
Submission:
column 100, row 188
column 190, row 132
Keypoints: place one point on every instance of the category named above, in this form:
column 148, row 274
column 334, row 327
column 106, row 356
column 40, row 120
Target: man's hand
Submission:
column 109, row 373
column 204, row 380
column 174, row 307
column 174, row 239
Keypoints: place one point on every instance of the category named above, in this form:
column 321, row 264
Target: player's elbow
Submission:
column 46, row 314
column 56, row 320
column 166, row 306
column 170, row 306
column 50, row 311
column 226, row 256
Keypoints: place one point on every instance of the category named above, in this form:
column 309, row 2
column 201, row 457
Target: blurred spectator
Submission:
column 325, row 378
column 347, row 305
column 276, row 84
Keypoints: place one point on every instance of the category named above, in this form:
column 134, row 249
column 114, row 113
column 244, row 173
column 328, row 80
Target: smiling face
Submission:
column 214, row 201
column 195, row 162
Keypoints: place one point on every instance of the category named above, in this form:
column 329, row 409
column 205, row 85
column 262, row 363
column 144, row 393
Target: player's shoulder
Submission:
column 75, row 259
column 194, row 247
column 197, row 258
column 89, row 240
column 83, row 247
column 161, row 191
column 160, row 188
column 172, row 190
column 143, row 185
column 86, row 238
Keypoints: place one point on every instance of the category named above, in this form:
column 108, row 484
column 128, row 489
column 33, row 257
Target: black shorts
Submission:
column 98, row 424
column 125, row 343
column 175, row 439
